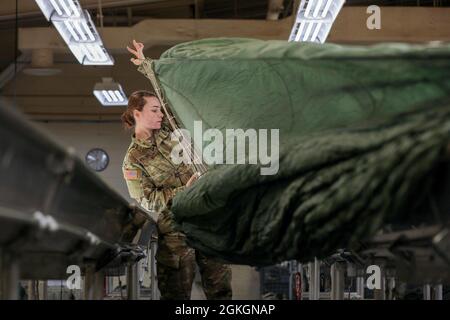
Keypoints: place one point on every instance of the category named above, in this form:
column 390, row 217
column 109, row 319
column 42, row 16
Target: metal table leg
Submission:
column 438, row 292
column 311, row 278
column 390, row 287
column 31, row 292
column 99, row 285
column 302, row 277
column 88, row 287
column 94, row 283
column 44, row 290
column 314, row 279
column 132, row 281
column 360, row 283
column 291, row 282
column 380, row 294
column 337, row 281
column 153, row 278
column 426, row 292
column 293, row 270
column 9, row 276
column 317, row 279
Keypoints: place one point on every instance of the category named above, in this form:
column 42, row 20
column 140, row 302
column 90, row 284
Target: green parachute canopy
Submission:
column 360, row 128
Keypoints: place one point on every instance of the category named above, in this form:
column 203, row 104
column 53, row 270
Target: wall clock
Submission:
column 97, row 159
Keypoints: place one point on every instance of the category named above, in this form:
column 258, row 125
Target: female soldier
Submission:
column 153, row 180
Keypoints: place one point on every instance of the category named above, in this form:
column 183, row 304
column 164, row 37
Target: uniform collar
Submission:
column 155, row 140
column 144, row 143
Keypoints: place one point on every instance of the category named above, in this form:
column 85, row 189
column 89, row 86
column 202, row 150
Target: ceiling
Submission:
column 130, row 12
column 127, row 12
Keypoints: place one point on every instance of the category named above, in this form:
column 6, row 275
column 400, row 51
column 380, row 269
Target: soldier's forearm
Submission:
column 145, row 67
column 158, row 198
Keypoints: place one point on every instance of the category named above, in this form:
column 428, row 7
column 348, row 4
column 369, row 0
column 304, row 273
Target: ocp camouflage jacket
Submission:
column 152, row 178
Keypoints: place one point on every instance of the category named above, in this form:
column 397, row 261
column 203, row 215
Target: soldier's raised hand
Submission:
column 138, row 52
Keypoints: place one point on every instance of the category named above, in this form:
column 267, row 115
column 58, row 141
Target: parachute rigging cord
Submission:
column 188, row 148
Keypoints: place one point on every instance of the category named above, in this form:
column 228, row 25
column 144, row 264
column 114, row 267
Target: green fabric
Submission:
column 349, row 156
column 298, row 88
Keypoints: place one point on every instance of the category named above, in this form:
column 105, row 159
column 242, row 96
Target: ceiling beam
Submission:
column 29, row 8
column 407, row 24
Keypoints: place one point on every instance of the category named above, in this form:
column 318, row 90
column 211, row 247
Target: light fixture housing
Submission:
column 61, row 9
column 110, row 93
column 77, row 29
column 315, row 19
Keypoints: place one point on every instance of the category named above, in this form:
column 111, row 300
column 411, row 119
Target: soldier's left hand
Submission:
column 193, row 178
column 138, row 52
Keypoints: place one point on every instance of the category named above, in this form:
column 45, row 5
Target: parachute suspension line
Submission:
column 187, row 147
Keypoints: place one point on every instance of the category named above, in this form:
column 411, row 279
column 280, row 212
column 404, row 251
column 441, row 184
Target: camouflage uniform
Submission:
column 153, row 180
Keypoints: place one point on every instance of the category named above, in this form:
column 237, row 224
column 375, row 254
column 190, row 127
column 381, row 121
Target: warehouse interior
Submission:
column 51, row 96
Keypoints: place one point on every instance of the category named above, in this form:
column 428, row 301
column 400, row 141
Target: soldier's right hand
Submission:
column 193, row 178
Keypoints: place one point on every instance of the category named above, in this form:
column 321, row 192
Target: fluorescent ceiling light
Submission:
column 315, row 19
column 77, row 30
column 110, row 93
column 60, row 9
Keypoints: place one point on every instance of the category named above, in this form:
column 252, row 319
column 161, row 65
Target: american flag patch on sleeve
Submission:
column 131, row 174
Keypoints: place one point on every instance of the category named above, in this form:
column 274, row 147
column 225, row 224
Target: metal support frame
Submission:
column 9, row 276
column 293, row 269
column 296, row 270
column 291, row 281
column 31, row 292
column 302, row 277
column 88, row 292
column 314, row 279
column 426, row 292
column 153, row 278
column 360, row 285
column 99, row 285
column 337, row 281
column 380, row 294
column 94, row 283
column 44, row 290
column 390, row 283
column 317, row 279
column 311, row 281
column 438, row 292
column 432, row 292
column 132, row 281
